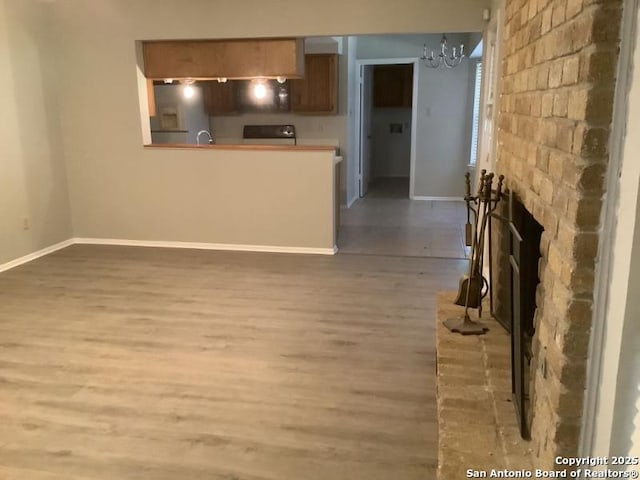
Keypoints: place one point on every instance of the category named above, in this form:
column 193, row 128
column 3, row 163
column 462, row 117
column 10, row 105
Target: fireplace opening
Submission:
column 524, row 255
column 515, row 244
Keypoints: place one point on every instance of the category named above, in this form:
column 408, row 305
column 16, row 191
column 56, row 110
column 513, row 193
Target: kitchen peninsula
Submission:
column 226, row 112
column 275, row 198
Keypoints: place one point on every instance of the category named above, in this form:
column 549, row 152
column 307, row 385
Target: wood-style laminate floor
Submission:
column 126, row 363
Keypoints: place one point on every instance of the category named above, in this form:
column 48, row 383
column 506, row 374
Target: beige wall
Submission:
column 275, row 198
column 227, row 18
column 33, row 182
column 117, row 190
column 310, row 129
column 390, row 152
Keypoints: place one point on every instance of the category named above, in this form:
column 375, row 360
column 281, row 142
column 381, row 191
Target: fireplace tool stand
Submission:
column 472, row 287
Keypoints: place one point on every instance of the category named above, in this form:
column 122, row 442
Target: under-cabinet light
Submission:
column 188, row 91
column 259, row 90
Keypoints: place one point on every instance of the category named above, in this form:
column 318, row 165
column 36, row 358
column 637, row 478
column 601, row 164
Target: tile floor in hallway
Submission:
column 387, row 222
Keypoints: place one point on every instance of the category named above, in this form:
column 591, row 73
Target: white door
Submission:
column 366, row 100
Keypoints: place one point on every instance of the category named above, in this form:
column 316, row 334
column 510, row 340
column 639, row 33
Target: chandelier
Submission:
column 444, row 59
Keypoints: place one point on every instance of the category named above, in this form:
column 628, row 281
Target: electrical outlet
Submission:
column 26, row 225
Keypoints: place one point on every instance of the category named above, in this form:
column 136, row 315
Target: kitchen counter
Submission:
column 297, row 148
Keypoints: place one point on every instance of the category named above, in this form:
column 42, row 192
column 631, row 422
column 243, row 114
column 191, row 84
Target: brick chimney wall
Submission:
column 558, row 81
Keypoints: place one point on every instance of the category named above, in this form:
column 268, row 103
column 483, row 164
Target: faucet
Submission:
column 211, row 142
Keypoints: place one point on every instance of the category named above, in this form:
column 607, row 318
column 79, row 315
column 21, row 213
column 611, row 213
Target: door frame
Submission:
column 364, row 137
column 358, row 115
column 492, row 38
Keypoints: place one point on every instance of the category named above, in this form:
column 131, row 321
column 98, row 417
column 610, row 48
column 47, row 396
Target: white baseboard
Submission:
column 438, row 199
column 352, row 201
column 32, row 256
column 207, row 246
column 141, row 243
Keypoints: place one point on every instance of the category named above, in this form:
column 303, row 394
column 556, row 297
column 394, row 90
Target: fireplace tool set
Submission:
column 474, row 286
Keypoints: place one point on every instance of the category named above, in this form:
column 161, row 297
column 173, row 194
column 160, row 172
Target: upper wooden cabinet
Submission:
column 219, row 98
column 239, row 59
column 392, row 86
column 317, row 92
column 151, row 98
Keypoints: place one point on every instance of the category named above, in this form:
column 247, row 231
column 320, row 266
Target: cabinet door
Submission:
column 317, row 92
column 175, row 60
column 392, row 86
column 209, row 59
column 151, row 98
column 219, row 98
column 245, row 59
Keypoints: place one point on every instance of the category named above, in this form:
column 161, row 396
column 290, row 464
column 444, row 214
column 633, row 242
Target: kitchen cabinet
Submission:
column 317, row 92
column 151, row 98
column 237, row 59
column 219, row 98
column 392, row 86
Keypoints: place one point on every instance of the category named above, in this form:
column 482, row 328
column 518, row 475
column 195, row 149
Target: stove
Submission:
column 269, row 135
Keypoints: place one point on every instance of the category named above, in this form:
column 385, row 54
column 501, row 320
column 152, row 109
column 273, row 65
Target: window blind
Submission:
column 476, row 114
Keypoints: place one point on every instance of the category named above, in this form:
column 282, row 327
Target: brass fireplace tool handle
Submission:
column 472, row 207
column 474, row 286
column 467, row 198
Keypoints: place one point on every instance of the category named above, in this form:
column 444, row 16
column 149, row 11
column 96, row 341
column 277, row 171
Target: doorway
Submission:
column 387, row 218
column 386, row 106
column 390, row 153
column 408, row 205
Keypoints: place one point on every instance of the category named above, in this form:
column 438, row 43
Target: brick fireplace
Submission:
column 557, row 89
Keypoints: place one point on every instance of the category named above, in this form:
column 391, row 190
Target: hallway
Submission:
column 387, row 222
